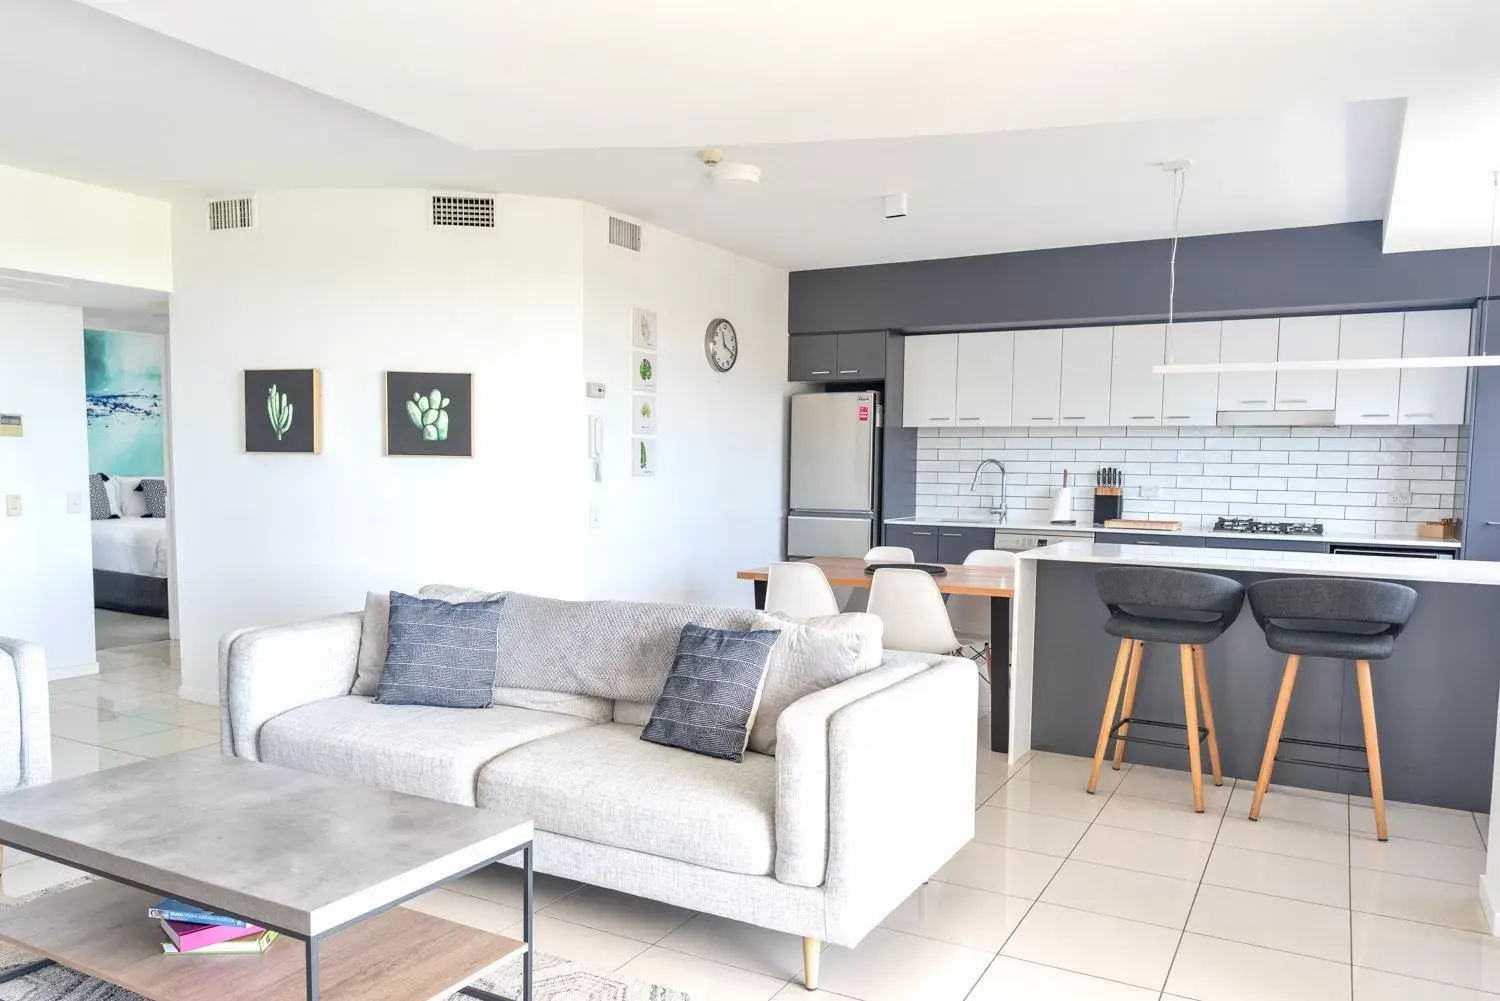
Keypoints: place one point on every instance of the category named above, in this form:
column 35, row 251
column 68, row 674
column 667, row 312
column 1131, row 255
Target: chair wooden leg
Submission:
column 1115, row 684
column 1190, row 707
column 812, row 951
column 1273, row 738
column 1131, row 680
column 1201, row 672
column 1372, row 745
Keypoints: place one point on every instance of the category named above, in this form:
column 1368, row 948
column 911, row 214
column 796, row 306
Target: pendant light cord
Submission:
column 1179, row 186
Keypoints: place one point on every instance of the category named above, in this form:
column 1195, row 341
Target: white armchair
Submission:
column 25, row 731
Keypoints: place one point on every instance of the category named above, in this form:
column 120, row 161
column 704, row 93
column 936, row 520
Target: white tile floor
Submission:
column 1123, row 896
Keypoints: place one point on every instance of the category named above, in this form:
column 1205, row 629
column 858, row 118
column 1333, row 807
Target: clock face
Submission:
column 721, row 345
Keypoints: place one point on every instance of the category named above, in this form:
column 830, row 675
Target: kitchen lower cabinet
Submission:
column 922, row 540
column 1271, row 545
column 955, row 544
column 1147, row 539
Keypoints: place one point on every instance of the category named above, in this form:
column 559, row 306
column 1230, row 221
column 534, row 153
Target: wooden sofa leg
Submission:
column 812, row 950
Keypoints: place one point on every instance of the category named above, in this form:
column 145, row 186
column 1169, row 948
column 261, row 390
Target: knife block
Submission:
column 1107, row 504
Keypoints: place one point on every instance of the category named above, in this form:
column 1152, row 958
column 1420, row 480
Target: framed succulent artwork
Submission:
column 429, row 413
column 283, row 410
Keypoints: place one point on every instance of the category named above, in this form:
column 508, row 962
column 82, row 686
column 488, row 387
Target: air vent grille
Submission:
column 468, row 211
column 231, row 213
column 625, row 234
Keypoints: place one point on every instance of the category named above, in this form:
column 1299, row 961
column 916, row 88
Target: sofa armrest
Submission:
column 269, row 670
column 900, row 793
column 802, row 769
column 34, row 746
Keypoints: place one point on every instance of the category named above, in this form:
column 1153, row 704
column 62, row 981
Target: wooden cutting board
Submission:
column 1144, row 526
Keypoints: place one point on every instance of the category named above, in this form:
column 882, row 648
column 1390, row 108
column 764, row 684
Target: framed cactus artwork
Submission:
column 283, row 410
column 429, row 413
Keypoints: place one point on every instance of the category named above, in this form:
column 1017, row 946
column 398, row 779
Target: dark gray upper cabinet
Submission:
column 812, row 358
column 861, row 357
column 856, row 357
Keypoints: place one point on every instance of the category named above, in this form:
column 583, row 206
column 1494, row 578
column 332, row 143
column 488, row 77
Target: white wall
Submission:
column 53, row 226
column 46, row 577
column 355, row 283
column 715, row 504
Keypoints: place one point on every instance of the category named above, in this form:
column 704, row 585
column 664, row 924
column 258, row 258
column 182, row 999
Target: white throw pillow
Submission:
column 870, row 628
column 112, row 491
column 806, row 659
column 132, row 501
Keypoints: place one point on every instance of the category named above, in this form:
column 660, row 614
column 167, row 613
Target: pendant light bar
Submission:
column 1327, row 365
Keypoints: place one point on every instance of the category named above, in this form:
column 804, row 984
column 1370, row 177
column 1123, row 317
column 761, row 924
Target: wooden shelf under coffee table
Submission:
column 321, row 861
column 101, row 929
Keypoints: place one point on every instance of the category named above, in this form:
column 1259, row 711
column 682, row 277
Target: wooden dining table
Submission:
column 995, row 583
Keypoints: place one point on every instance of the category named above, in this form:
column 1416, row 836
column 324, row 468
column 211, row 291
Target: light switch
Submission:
column 13, row 505
column 75, row 502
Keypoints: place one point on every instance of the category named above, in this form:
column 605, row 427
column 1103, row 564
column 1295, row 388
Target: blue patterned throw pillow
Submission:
column 708, row 703
column 440, row 653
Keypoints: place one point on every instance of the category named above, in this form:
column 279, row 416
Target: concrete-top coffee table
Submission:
column 311, row 857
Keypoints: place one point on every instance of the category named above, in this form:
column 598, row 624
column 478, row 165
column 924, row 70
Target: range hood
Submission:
column 1275, row 419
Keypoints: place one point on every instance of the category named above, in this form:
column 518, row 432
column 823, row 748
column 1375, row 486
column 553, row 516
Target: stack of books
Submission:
column 194, row 931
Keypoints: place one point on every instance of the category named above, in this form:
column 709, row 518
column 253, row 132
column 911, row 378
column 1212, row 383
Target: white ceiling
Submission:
column 1012, row 124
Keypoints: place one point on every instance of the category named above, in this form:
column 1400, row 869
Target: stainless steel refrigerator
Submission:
column 834, row 468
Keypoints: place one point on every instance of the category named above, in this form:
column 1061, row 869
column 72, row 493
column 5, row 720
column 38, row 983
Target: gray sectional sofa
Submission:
column 869, row 790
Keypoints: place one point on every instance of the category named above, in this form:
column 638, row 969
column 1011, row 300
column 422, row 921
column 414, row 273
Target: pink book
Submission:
column 188, row 937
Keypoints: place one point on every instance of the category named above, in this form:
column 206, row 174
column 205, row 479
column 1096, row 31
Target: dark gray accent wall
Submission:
column 898, row 472
column 1318, row 268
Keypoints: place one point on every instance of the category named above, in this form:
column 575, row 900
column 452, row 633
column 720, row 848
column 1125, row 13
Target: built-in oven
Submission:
column 1405, row 552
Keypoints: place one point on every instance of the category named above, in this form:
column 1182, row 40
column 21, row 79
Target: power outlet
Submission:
column 1397, row 498
column 75, row 502
column 1150, row 493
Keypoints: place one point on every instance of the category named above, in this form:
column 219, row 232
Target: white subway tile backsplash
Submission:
column 1341, row 476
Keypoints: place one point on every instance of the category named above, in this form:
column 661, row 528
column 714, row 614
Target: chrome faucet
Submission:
column 1000, row 511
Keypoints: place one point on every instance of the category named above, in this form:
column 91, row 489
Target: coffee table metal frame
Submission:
column 312, row 940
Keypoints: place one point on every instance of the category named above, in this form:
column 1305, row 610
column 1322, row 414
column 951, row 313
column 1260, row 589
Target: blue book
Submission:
column 176, row 910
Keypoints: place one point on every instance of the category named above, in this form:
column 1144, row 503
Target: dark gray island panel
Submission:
column 1435, row 698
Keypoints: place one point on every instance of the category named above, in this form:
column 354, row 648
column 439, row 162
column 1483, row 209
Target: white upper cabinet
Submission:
column 1368, row 397
column 1134, row 390
column 984, row 380
column 1037, row 378
column 1248, row 340
column 1434, row 395
column 1191, row 400
column 1084, row 395
column 1307, row 338
column 930, row 382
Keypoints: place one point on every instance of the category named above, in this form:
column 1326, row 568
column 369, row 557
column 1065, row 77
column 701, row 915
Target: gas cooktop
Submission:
column 1257, row 527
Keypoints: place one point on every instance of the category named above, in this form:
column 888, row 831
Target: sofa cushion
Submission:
column 604, row 784
column 424, row 750
column 610, row 649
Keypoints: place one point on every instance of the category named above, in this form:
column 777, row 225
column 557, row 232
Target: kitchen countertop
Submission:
column 1263, row 561
column 1046, row 528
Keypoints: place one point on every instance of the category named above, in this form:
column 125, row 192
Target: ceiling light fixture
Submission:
column 1346, row 364
column 728, row 172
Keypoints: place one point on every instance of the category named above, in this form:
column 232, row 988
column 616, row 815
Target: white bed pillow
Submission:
column 132, row 501
column 112, row 491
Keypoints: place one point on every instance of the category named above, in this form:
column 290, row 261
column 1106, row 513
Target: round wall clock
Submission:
column 721, row 345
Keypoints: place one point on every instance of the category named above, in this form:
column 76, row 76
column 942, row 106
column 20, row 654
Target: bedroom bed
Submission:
column 130, row 565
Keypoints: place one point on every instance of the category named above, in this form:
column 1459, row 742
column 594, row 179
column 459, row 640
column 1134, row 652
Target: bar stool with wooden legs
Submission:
column 1160, row 605
column 1335, row 617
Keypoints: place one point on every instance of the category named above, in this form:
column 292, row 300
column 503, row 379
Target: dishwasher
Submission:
column 1405, row 552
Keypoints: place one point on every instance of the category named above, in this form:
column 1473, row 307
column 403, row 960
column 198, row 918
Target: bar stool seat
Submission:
column 1161, row 605
column 1341, row 619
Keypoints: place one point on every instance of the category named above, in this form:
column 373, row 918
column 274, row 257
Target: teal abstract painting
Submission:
column 123, row 380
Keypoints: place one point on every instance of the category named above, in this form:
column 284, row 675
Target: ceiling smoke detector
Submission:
column 727, row 171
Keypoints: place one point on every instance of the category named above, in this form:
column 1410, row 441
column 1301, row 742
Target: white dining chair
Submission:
column 800, row 590
column 911, row 608
column 970, row 614
column 858, row 598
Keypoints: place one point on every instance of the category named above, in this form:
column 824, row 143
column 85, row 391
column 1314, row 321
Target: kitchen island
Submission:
column 1437, row 698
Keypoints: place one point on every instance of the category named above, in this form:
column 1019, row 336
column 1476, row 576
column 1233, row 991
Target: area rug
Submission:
column 553, row 978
